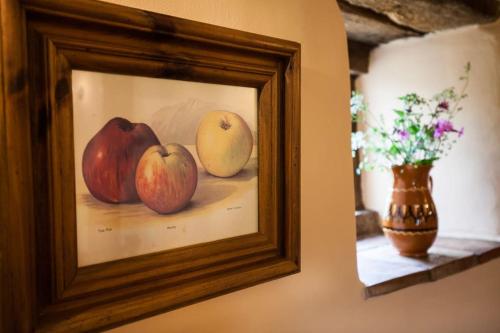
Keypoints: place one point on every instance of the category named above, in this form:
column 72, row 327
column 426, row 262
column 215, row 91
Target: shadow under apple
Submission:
column 246, row 174
column 210, row 191
column 206, row 195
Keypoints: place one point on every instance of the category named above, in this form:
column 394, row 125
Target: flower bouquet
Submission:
column 422, row 130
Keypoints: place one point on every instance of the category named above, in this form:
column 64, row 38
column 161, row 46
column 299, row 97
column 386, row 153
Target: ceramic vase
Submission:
column 411, row 221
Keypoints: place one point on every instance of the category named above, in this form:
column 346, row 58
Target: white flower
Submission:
column 357, row 141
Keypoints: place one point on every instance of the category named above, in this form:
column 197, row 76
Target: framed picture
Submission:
column 147, row 162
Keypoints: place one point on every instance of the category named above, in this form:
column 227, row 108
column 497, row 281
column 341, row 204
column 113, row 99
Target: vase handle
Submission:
column 431, row 183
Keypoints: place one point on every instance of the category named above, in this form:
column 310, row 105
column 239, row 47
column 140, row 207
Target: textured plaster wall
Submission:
column 467, row 181
column 326, row 296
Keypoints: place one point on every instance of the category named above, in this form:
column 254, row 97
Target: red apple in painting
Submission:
column 110, row 160
column 166, row 178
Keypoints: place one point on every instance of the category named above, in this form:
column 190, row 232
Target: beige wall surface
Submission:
column 327, row 295
column 467, row 181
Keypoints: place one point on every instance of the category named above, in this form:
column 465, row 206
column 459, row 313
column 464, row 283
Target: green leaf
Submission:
column 400, row 113
column 413, row 129
column 426, row 161
column 393, row 150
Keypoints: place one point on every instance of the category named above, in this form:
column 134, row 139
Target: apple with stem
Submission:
column 223, row 143
column 110, row 159
column 166, row 178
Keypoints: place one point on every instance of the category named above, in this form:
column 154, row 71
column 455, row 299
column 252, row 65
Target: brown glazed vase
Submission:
column 411, row 221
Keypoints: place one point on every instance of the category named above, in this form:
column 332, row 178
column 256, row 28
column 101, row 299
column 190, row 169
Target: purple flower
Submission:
column 445, row 125
column 442, row 126
column 403, row 135
column 461, row 132
column 444, row 105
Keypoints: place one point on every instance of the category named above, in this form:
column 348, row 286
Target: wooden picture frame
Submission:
column 41, row 42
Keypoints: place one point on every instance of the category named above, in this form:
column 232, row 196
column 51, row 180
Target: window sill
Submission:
column 382, row 270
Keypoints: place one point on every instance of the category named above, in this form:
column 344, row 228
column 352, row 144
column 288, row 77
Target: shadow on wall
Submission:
column 178, row 122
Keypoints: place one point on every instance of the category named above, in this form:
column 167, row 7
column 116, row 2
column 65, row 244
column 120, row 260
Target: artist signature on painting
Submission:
column 234, row 208
column 104, row 229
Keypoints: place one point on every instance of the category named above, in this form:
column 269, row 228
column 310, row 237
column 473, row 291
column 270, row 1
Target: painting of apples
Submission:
column 161, row 164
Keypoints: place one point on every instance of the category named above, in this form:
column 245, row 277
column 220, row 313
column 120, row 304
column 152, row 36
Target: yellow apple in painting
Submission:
column 223, row 143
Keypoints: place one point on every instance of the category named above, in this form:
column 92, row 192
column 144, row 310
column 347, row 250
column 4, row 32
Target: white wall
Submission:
column 467, row 181
column 327, row 295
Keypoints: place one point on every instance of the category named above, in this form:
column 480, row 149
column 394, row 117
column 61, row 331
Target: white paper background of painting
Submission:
column 220, row 208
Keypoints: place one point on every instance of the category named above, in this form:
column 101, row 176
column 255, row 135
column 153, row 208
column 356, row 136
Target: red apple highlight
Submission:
column 166, row 178
column 110, row 160
column 224, row 143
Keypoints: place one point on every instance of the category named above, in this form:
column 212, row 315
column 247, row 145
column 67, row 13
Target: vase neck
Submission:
column 406, row 176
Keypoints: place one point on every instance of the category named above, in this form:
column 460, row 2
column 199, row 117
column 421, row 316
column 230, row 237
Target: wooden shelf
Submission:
column 382, row 270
